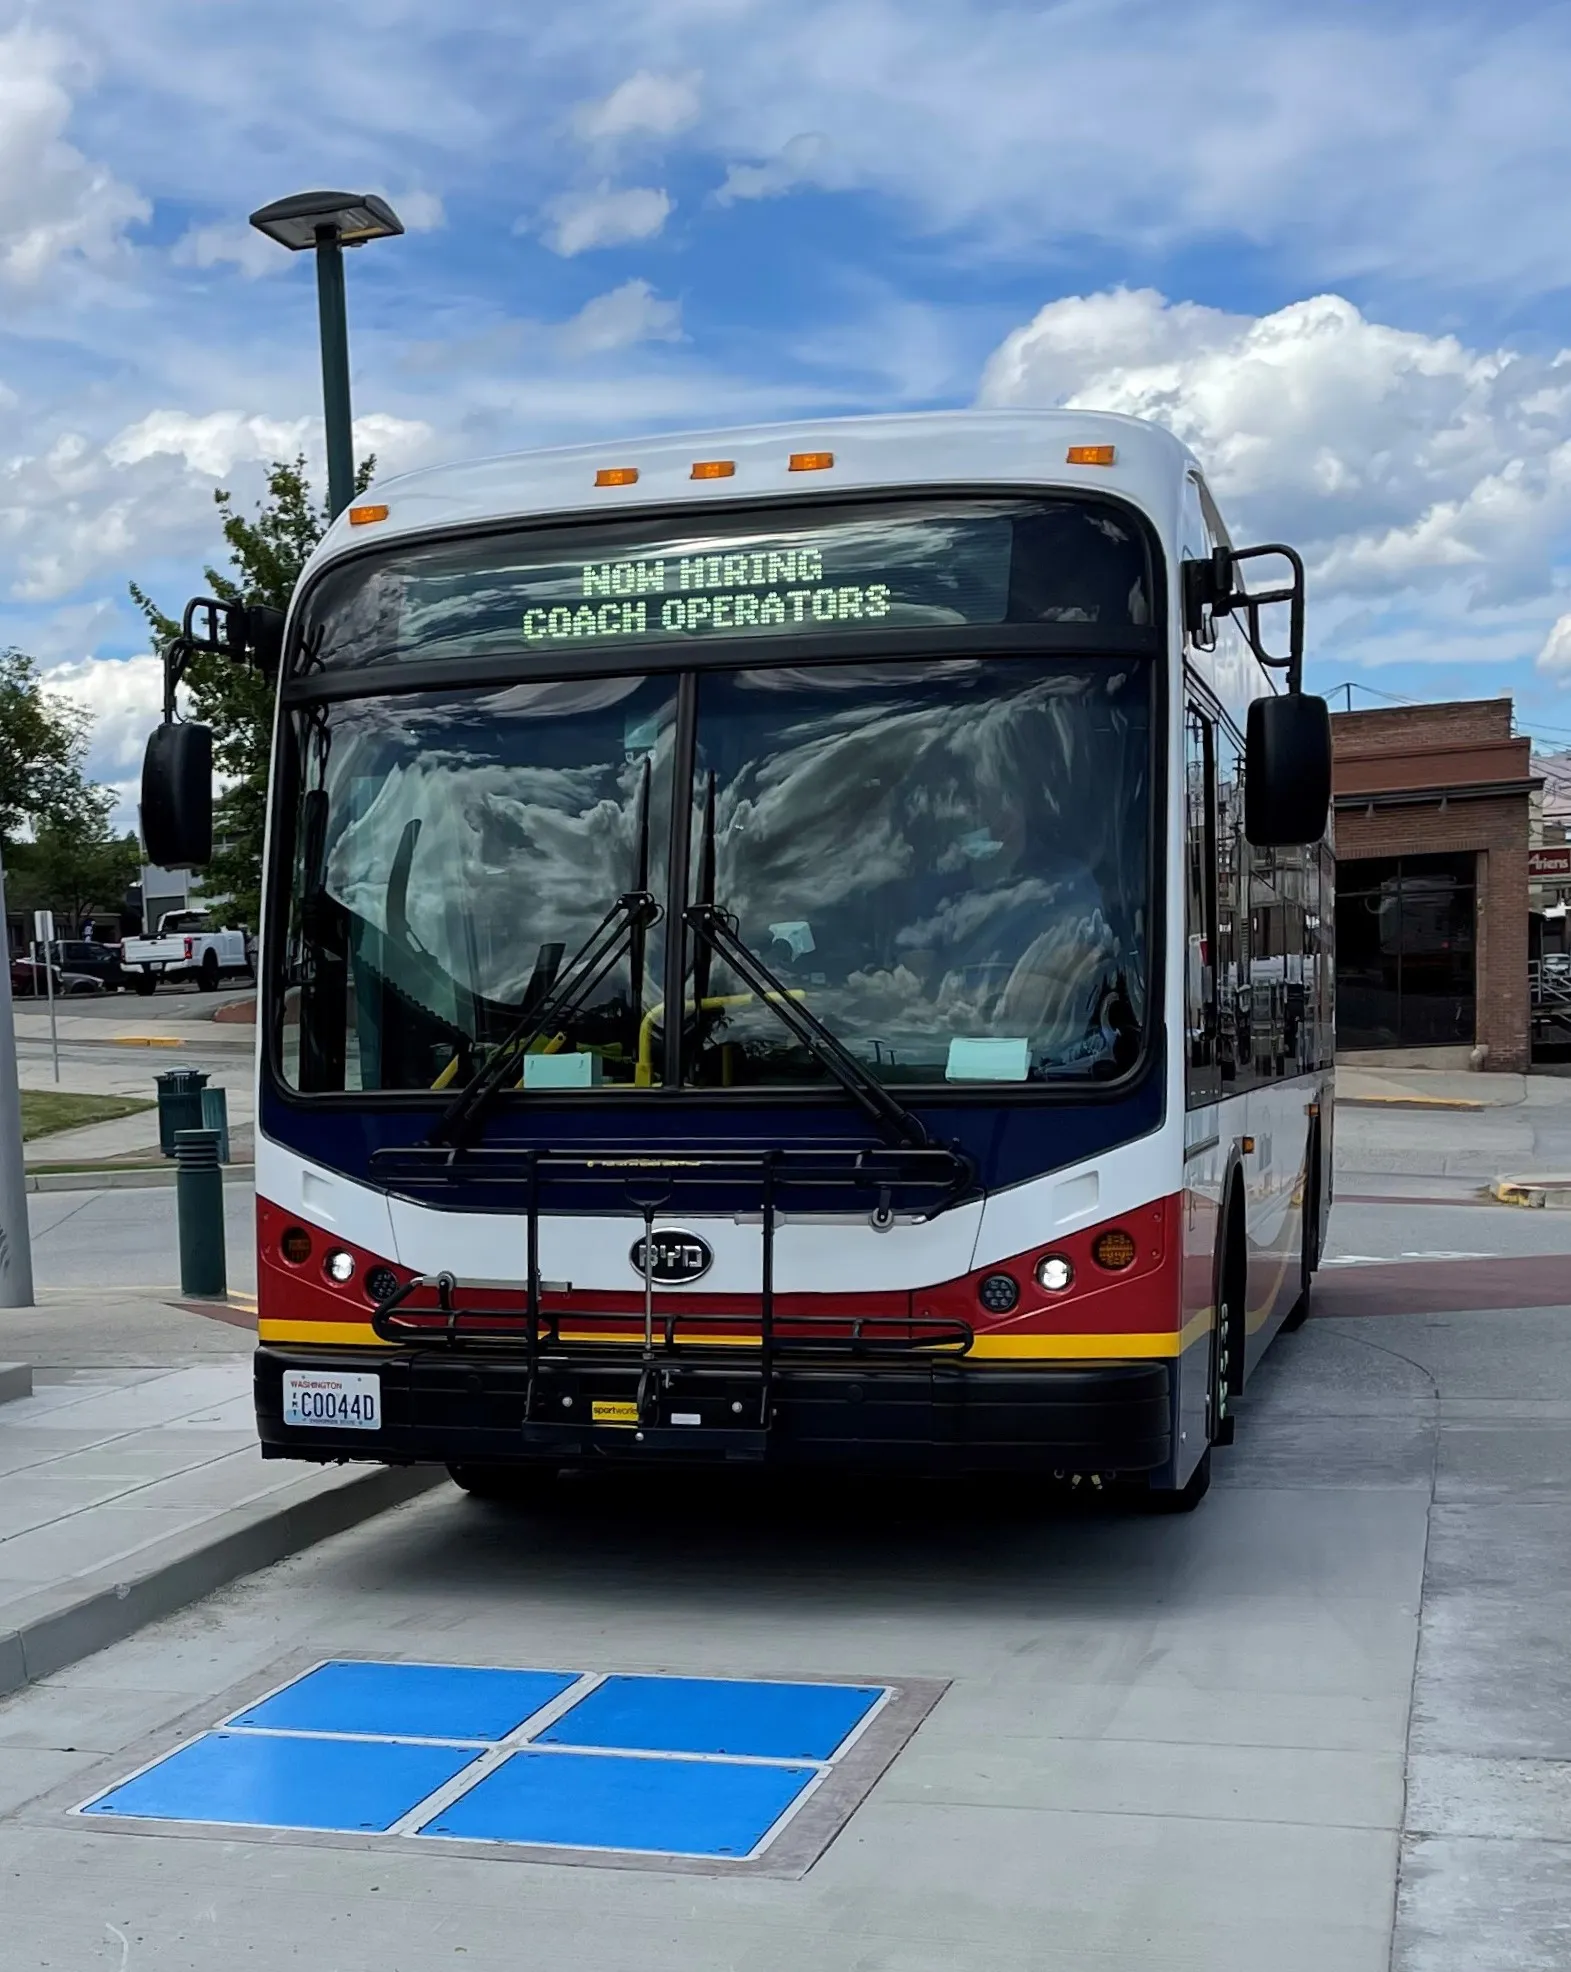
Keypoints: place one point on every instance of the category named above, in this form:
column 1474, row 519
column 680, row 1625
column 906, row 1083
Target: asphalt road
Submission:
column 1325, row 1722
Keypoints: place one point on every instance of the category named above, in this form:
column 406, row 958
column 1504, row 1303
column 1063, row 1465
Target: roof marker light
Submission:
column 1091, row 455
column 364, row 516
column 617, row 476
column 714, row 469
column 812, row 461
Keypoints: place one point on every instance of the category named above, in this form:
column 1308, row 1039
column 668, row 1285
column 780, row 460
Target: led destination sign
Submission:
column 913, row 567
column 760, row 589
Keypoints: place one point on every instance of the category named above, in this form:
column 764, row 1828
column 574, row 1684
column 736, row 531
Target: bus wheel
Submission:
column 510, row 1485
column 1298, row 1314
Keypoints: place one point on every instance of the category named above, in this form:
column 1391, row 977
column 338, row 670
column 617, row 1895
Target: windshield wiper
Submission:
column 628, row 919
column 717, row 931
column 555, row 994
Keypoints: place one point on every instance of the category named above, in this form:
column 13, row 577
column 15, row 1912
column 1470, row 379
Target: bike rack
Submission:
column 678, row 1345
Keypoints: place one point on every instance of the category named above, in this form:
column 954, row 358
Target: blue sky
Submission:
column 1329, row 243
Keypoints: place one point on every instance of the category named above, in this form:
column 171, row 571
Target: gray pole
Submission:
column 335, row 370
column 16, row 1247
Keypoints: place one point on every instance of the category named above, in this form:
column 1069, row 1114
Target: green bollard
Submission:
column 199, row 1202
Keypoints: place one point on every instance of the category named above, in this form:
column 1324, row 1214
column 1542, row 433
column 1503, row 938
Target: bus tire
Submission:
column 1227, row 1338
column 506, row 1485
column 1309, row 1255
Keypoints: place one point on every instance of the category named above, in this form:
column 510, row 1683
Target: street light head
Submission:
column 309, row 217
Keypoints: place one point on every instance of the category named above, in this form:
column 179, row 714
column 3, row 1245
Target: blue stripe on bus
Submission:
column 1009, row 1142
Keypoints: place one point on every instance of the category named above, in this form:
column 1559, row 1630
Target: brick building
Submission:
column 1432, row 827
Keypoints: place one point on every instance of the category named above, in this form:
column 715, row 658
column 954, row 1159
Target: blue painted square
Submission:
column 422, row 1701
column 260, row 1781
column 715, row 1715
column 612, row 1801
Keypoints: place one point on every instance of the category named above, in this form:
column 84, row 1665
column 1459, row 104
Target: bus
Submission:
column 790, row 946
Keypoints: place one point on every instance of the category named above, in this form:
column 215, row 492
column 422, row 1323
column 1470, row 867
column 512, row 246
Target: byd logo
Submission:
column 677, row 1257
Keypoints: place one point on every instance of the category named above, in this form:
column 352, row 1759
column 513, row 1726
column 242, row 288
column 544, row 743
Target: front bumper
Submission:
column 449, row 1408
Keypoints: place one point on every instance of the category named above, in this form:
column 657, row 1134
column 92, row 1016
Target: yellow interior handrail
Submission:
column 644, row 1071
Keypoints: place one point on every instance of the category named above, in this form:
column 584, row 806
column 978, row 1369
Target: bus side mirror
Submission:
column 1287, row 771
column 177, row 796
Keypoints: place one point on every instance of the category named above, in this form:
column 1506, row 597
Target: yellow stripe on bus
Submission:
column 998, row 1348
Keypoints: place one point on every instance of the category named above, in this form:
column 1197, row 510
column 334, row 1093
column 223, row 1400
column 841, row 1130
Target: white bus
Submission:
column 771, row 953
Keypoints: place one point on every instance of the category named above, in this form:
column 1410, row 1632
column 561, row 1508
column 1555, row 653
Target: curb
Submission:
column 16, row 1380
column 1537, row 1194
column 135, row 1177
column 99, row 1610
column 1416, row 1102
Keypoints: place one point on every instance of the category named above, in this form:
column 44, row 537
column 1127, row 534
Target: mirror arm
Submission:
column 176, row 657
column 1251, row 606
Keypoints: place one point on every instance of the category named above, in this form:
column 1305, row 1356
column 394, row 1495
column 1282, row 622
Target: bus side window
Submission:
column 1200, row 980
column 1234, row 1052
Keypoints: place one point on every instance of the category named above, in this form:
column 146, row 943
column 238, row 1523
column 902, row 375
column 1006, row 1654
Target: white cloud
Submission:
column 76, row 509
column 1427, row 481
column 421, row 212
column 238, row 245
column 54, row 202
column 802, row 160
column 1556, row 652
column 647, row 104
column 632, row 313
column 125, row 698
column 211, row 443
column 605, row 217
column 1392, row 457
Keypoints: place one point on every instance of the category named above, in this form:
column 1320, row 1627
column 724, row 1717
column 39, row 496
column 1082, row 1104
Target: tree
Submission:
column 43, row 743
column 75, row 875
column 266, row 554
column 54, row 822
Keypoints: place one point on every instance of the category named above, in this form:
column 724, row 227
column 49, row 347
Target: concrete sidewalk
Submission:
column 1441, row 1088
column 130, row 1480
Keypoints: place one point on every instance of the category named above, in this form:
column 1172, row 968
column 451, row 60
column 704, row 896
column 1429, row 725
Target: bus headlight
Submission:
column 339, row 1266
column 1055, row 1273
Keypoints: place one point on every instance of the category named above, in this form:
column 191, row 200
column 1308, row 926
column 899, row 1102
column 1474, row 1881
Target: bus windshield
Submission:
column 947, row 860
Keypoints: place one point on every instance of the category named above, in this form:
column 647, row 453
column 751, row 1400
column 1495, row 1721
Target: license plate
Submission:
column 348, row 1401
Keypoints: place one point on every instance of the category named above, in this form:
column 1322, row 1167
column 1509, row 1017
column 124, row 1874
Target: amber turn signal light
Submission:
column 296, row 1246
column 1114, row 1250
column 714, row 469
column 617, row 476
column 812, row 461
column 364, row 516
column 1091, row 455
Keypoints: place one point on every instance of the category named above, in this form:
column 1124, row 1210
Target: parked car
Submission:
column 87, row 956
column 28, row 981
column 184, row 949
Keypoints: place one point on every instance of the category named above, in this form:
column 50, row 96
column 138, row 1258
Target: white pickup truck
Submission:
column 184, row 949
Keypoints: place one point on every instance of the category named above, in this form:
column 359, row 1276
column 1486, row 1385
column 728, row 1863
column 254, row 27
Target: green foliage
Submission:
column 266, row 555
column 54, row 822
column 74, row 874
column 43, row 742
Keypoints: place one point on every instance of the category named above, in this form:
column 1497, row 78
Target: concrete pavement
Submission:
column 130, row 1482
column 1323, row 1723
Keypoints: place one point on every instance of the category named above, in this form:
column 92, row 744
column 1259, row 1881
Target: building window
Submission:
column 1406, row 952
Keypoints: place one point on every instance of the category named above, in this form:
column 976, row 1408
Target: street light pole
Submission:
column 334, row 318
column 16, row 1246
column 329, row 222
